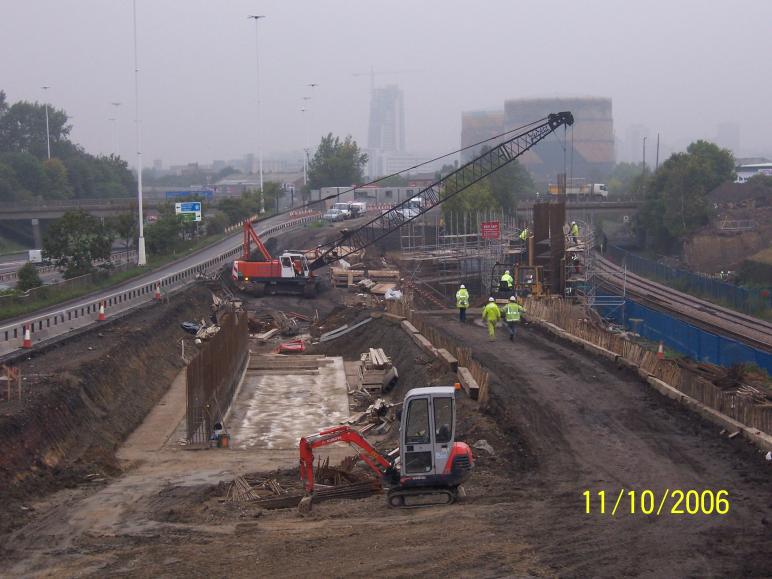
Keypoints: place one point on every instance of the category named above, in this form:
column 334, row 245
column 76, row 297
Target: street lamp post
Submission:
column 48, row 132
column 115, row 128
column 644, row 155
column 257, row 18
column 141, row 259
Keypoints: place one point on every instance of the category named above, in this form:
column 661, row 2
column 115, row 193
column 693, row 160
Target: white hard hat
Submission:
column 573, row 223
column 506, row 271
column 512, row 299
column 463, row 286
column 491, row 300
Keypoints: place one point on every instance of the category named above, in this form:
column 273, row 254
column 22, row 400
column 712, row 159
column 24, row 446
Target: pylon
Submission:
column 101, row 317
column 661, row 351
column 157, row 296
column 27, row 343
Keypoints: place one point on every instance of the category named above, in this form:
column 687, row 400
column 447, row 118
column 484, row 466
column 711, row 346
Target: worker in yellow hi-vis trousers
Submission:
column 491, row 315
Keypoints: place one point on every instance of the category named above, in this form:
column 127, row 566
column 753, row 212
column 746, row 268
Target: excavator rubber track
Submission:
column 411, row 498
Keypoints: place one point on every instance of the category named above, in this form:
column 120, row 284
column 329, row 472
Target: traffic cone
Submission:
column 157, row 295
column 27, row 343
column 661, row 351
column 101, row 317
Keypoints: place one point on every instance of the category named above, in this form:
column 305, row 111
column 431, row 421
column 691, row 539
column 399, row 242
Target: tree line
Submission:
column 27, row 175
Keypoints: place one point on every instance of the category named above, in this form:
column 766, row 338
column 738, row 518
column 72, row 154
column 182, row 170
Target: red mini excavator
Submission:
column 430, row 464
column 288, row 274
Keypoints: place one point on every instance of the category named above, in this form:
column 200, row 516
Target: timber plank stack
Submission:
column 378, row 372
column 342, row 277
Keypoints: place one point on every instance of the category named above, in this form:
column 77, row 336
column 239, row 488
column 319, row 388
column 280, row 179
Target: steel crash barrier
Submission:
column 24, row 333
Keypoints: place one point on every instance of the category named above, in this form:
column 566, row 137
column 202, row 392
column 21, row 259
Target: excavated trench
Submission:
column 84, row 396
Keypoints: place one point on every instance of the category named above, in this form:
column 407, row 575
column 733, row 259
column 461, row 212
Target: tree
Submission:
column 27, row 277
column 29, row 173
column 58, row 186
column 510, row 184
column 271, row 193
column 336, row 163
column 474, row 198
column 163, row 236
column 75, row 241
column 125, row 226
column 625, row 179
column 675, row 204
column 23, row 128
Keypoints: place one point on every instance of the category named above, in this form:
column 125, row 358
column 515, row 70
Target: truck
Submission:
column 344, row 208
column 578, row 190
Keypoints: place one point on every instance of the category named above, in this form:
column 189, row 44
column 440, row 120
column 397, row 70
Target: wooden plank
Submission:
column 449, row 358
column 424, row 344
column 408, row 327
column 393, row 318
column 468, row 383
column 338, row 333
column 268, row 335
column 380, row 289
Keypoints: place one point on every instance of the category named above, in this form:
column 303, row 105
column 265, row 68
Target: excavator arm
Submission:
column 441, row 190
column 251, row 235
column 374, row 459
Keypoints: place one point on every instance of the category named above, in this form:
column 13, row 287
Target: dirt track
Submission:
column 560, row 422
column 586, row 425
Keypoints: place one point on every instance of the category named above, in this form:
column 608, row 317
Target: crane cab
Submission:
column 429, row 454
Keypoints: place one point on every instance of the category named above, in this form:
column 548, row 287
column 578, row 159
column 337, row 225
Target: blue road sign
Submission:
column 190, row 206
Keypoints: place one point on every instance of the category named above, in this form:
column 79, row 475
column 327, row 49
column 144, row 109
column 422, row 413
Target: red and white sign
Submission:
column 489, row 230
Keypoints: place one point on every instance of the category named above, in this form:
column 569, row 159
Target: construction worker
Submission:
column 512, row 316
column 524, row 235
column 507, row 281
column 462, row 302
column 491, row 315
column 575, row 232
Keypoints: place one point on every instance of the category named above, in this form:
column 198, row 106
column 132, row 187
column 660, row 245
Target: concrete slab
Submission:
column 273, row 411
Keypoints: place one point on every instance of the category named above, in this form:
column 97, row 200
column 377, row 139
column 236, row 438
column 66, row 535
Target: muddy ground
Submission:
column 560, row 422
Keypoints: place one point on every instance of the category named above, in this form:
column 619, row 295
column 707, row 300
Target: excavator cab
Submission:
column 431, row 462
column 529, row 280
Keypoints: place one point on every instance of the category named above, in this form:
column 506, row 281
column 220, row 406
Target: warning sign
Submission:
column 489, row 229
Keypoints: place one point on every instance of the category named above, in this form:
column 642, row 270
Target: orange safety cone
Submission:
column 661, row 351
column 101, row 317
column 157, row 295
column 27, row 343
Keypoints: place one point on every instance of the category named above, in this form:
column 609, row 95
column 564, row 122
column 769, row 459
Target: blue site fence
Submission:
column 732, row 296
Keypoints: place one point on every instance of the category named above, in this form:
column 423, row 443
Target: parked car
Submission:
column 334, row 215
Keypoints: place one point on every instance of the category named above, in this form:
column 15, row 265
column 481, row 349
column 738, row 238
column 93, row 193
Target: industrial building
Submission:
column 588, row 153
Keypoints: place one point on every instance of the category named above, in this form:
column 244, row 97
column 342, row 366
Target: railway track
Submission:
column 706, row 315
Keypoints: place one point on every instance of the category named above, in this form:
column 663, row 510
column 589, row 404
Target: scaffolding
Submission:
column 442, row 251
column 583, row 279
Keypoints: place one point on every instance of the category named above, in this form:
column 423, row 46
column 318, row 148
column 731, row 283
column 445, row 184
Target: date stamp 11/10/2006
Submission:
column 675, row 502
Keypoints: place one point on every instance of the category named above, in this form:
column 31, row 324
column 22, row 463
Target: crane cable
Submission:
column 461, row 150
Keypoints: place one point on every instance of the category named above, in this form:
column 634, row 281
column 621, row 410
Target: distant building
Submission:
column 592, row 156
column 745, row 172
column 387, row 120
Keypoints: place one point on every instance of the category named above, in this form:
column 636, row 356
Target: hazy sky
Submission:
column 678, row 67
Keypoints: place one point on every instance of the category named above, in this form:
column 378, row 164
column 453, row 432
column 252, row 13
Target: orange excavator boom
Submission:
column 251, row 235
column 374, row 459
